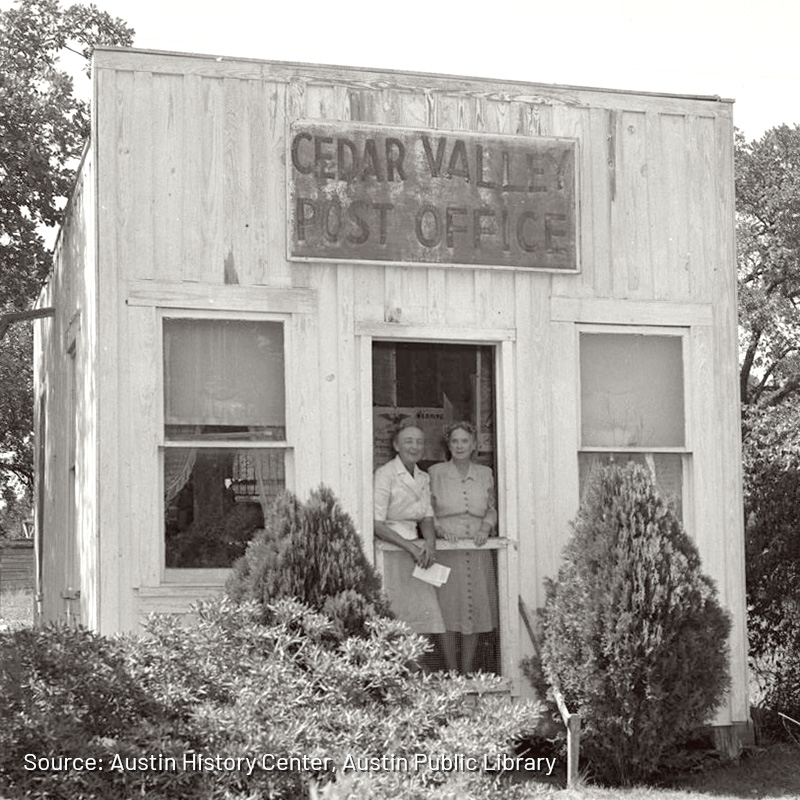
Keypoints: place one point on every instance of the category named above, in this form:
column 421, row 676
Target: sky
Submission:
column 745, row 51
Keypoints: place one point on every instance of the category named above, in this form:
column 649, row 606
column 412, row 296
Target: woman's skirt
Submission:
column 469, row 598
column 413, row 601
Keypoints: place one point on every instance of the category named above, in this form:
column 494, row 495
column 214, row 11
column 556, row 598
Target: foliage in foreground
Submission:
column 234, row 686
column 634, row 634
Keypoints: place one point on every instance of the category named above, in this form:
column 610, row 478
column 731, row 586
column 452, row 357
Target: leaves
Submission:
column 768, row 245
column 43, row 127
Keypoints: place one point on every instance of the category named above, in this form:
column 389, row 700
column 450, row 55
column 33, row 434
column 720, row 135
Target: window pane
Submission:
column 631, row 390
column 214, row 499
column 224, row 373
column 667, row 467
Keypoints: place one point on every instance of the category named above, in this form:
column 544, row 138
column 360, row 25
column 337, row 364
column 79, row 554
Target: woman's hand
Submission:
column 426, row 554
column 444, row 533
column 481, row 535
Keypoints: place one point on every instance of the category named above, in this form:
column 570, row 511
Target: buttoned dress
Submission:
column 401, row 501
column 469, row 598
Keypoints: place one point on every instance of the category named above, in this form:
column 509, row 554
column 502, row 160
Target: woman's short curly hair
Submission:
column 462, row 425
column 408, row 422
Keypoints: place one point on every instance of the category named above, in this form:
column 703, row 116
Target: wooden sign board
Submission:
column 379, row 194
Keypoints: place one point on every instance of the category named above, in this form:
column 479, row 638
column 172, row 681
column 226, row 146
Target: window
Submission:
column 224, row 435
column 632, row 405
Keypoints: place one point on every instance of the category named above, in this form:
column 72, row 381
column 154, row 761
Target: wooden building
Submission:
column 265, row 265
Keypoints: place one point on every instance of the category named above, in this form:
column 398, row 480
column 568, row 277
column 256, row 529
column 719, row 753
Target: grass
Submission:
column 16, row 609
column 768, row 773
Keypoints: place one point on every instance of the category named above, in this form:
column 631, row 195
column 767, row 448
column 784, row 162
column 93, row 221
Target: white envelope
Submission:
column 436, row 574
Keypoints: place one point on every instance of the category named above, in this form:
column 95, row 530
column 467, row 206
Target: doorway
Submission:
column 433, row 384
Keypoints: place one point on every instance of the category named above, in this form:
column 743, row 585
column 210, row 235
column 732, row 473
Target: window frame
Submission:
column 684, row 451
column 205, row 576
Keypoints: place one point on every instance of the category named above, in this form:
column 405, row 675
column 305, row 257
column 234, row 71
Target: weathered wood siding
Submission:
column 16, row 565
column 191, row 208
column 65, row 420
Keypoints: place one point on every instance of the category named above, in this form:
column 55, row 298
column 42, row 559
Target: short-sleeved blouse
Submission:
column 454, row 495
column 400, row 498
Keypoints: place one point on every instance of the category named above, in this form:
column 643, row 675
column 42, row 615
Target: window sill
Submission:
column 195, row 577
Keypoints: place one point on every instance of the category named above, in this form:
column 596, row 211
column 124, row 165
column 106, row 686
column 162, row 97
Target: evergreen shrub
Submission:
column 634, row 635
column 311, row 551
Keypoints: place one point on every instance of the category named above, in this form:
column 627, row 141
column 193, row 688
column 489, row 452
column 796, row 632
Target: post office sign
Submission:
column 379, row 194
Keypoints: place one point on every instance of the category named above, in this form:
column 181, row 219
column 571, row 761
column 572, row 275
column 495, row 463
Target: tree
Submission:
column 43, row 127
column 768, row 234
column 768, row 244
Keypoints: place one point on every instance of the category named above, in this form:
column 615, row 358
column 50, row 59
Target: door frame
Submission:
column 503, row 341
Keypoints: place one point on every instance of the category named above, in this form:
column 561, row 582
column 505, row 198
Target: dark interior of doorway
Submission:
column 434, row 384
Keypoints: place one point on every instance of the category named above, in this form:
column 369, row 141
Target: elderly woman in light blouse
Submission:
column 464, row 508
column 404, row 517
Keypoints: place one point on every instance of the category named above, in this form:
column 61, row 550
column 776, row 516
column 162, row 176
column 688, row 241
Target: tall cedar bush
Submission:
column 311, row 551
column 633, row 632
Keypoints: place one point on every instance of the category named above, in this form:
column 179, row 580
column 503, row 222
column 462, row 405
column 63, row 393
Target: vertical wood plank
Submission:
column 168, row 175
column 139, row 439
column 508, row 477
column 459, row 286
column 139, row 251
column 211, row 267
column 725, row 317
column 296, row 108
column 192, row 215
column 110, row 115
column 236, row 183
column 122, row 200
column 413, row 108
column 702, row 206
column 270, row 150
column 364, row 439
column 564, row 461
column 635, row 264
column 302, row 382
column 598, row 157
column 349, row 413
column 442, row 114
column 669, row 217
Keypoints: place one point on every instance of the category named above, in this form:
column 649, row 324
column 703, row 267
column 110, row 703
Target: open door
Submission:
column 434, row 384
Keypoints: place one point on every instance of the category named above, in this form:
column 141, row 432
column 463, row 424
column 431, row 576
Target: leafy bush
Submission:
column 234, row 686
column 772, row 536
column 68, row 693
column 633, row 632
column 311, row 552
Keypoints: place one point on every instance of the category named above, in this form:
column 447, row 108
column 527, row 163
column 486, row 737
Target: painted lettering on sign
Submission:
column 368, row 193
